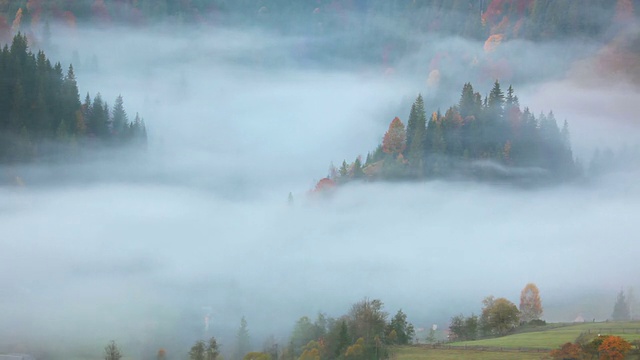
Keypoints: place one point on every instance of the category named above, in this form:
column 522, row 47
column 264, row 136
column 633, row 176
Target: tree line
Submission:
column 367, row 332
column 41, row 116
column 499, row 317
column 531, row 19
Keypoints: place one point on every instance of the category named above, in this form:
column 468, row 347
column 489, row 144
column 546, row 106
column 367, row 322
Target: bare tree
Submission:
column 112, row 352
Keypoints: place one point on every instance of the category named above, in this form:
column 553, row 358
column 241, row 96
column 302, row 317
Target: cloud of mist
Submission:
column 201, row 218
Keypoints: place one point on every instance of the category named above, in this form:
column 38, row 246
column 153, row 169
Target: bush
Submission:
column 537, row 322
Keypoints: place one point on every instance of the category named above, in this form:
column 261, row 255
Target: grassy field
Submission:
column 554, row 337
column 418, row 353
column 548, row 337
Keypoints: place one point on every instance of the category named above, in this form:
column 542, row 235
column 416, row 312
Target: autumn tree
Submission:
column 356, row 351
column 312, row 351
column 568, row 351
column 530, row 303
column 306, row 332
column 257, row 356
column 368, row 320
column 614, row 348
column 395, row 139
column 112, row 352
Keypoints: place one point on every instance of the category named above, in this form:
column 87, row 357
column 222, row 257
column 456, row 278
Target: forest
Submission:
column 42, row 118
column 492, row 21
column 490, row 138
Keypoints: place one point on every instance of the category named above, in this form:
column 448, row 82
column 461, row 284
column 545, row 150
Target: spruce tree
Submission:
column 621, row 308
column 242, row 340
column 120, row 119
column 416, row 131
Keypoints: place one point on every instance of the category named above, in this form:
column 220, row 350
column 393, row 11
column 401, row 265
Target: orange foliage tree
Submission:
column 613, row 348
column 395, row 139
column 567, row 351
column 324, row 185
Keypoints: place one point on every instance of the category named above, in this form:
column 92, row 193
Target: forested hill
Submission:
column 529, row 19
column 41, row 116
column 352, row 32
column 492, row 138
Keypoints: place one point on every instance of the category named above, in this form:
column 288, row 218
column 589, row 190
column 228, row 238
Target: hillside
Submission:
column 528, row 345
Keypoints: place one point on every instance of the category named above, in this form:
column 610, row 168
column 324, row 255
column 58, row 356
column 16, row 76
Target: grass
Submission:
column 554, row 337
column 547, row 337
column 420, row 353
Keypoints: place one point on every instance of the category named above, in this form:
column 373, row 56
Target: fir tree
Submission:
column 242, row 340
column 416, row 131
column 120, row 119
column 621, row 308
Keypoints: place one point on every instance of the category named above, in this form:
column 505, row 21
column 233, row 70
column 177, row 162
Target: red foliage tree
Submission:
column 324, row 185
column 567, row 351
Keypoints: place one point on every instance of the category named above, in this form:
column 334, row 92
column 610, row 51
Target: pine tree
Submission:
column 496, row 100
column 242, row 340
column 70, row 98
column 416, row 131
column 120, row 119
column 621, row 308
column 467, row 104
column 98, row 121
column 358, row 173
column 343, row 340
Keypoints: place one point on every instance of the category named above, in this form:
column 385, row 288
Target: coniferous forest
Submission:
column 41, row 116
column 491, row 138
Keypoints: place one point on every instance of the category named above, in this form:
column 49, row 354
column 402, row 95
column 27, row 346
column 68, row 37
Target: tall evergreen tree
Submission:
column 416, row 132
column 120, row 119
column 621, row 308
column 243, row 341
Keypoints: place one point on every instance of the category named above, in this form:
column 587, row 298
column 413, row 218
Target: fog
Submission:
column 139, row 250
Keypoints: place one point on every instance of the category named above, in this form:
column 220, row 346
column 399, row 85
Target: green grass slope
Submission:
column 420, row 353
column 554, row 337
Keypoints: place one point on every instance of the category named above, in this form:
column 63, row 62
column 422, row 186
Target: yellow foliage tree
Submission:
column 530, row 303
column 355, row 351
column 257, row 356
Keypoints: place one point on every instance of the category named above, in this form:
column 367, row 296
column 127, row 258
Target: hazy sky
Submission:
column 235, row 124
